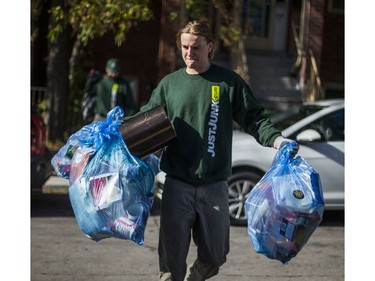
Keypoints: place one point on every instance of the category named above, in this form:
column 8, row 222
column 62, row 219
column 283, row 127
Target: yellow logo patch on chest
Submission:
column 215, row 93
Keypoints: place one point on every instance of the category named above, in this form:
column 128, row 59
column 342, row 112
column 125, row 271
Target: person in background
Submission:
column 111, row 90
column 201, row 101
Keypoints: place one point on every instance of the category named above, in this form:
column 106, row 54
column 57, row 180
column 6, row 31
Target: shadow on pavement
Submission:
column 333, row 218
column 50, row 205
column 58, row 205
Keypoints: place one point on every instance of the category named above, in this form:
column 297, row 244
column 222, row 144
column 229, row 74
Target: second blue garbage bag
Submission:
column 111, row 191
column 285, row 207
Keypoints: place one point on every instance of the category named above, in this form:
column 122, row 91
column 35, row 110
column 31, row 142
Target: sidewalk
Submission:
column 55, row 185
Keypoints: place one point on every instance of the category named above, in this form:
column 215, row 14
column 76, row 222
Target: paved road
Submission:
column 60, row 251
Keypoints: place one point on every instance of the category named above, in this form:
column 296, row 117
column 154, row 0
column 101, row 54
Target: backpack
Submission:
column 89, row 100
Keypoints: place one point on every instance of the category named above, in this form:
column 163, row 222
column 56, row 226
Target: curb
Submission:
column 56, row 185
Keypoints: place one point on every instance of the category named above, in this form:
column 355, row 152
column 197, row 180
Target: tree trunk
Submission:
column 58, row 85
column 235, row 46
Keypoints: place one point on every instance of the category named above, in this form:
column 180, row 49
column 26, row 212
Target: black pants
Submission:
column 201, row 210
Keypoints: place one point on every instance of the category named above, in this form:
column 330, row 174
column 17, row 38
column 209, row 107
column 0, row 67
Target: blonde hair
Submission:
column 198, row 28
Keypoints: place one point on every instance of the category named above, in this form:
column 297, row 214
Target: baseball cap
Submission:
column 113, row 65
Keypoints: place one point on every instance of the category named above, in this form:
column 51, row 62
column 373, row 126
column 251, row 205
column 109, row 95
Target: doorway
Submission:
column 264, row 23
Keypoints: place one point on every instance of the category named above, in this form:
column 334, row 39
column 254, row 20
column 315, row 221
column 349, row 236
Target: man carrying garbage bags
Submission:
column 201, row 100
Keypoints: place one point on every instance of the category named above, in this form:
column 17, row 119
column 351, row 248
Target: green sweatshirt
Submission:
column 201, row 109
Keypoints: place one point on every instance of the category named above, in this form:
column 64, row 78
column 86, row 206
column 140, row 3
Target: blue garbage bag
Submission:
column 285, row 206
column 110, row 190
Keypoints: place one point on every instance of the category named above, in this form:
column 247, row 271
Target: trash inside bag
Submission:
column 285, row 207
column 110, row 190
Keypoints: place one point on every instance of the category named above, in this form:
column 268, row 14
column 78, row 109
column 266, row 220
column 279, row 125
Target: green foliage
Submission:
column 87, row 20
column 91, row 19
column 229, row 34
column 173, row 16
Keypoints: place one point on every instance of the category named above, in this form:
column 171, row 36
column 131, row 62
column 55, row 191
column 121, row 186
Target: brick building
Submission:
column 320, row 25
column 149, row 51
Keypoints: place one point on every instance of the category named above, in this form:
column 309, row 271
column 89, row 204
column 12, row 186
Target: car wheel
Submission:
column 240, row 183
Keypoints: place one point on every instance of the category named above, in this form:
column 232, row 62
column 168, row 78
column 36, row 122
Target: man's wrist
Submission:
column 277, row 142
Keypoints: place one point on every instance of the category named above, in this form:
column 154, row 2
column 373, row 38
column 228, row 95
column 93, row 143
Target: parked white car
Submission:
column 318, row 127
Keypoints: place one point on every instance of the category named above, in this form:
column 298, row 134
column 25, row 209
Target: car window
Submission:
column 330, row 127
column 285, row 119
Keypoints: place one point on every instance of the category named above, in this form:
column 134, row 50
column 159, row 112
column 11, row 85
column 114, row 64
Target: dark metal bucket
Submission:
column 147, row 132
